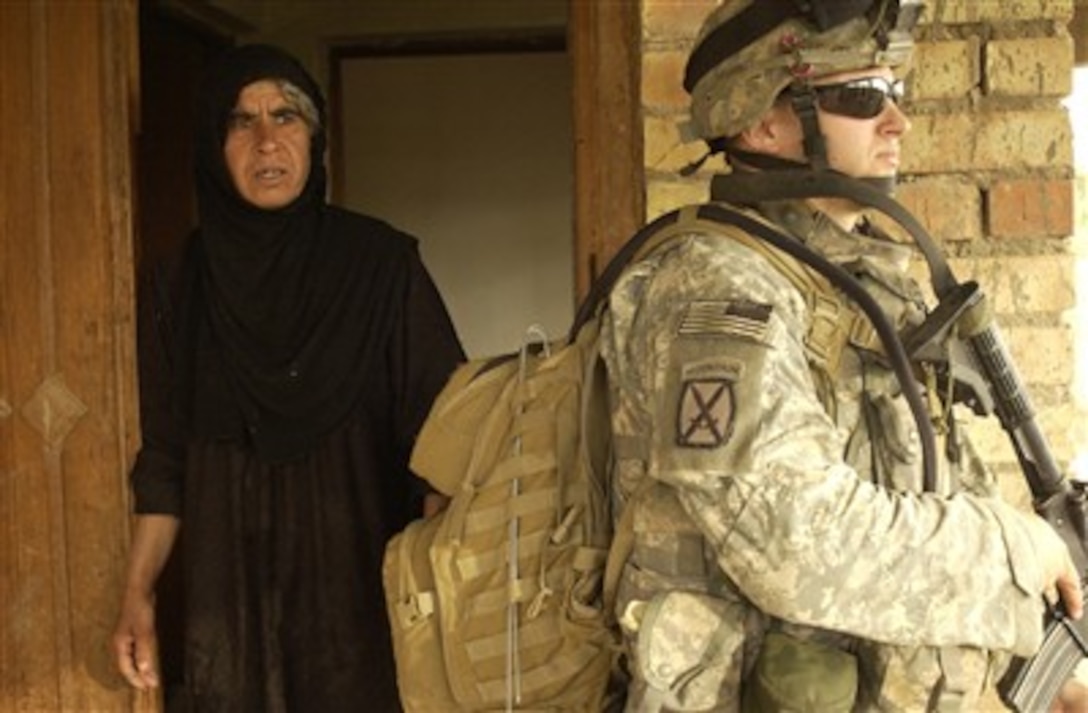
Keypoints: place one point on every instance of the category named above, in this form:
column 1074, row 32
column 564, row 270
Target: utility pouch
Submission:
column 794, row 675
column 691, row 651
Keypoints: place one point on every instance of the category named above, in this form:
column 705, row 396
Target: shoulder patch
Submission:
column 740, row 318
column 704, row 418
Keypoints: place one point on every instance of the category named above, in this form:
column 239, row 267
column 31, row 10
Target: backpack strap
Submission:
column 645, row 241
column 835, row 321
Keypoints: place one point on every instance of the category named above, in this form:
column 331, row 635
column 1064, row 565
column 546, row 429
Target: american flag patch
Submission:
column 744, row 319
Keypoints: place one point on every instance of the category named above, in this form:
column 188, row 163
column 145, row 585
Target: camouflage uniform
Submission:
column 784, row 499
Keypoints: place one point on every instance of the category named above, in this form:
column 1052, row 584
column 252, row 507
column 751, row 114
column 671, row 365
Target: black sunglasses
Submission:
column 859, row 98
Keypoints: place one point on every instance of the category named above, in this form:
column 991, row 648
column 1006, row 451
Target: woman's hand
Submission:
column 434, row 503
column 135, row 643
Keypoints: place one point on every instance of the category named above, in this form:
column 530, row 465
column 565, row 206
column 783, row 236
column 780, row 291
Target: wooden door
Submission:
column 67, row 377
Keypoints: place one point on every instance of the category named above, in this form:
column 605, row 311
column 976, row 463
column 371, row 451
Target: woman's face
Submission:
column 267, row 148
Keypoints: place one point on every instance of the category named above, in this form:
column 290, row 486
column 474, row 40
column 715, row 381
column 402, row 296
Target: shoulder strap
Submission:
column 892, row 345
column 641, row 243
column 790, row 185
column 665, row 227
column 835, row 321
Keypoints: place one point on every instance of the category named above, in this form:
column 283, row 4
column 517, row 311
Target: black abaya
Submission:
column 282, row 560
column 287, row 360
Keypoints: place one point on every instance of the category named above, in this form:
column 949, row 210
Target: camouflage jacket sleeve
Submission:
column 706, row 344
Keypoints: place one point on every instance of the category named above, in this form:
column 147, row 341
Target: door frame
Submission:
column 610, row 183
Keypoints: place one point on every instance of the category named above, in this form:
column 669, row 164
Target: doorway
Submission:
column 603, row 179
column 467, row 145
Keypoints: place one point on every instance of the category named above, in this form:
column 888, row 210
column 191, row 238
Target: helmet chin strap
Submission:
column 803, row 100
column 765, row 162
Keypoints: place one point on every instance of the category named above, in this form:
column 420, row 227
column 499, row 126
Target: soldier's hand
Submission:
column 1073, row 698
column 1061, row 581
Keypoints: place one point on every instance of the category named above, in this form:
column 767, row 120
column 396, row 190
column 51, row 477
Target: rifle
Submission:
column 987, row 381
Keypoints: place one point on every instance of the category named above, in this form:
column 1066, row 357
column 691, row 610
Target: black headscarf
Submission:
column 296, row 299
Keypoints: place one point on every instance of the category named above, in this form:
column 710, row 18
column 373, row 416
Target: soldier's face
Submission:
column 867, row 146
column 858, row 146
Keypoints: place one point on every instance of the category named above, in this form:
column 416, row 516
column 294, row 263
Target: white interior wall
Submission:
column 472, row 154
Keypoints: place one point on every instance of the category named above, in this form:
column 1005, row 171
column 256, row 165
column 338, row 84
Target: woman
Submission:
column 286, row 361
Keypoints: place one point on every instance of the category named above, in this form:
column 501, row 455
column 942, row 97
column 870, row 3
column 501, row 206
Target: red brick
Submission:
column 988, row 141
column 1024, row 284
column 949, row 207
column 1029, row 208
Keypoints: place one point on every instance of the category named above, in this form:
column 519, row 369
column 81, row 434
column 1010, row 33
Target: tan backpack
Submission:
column 504, row 600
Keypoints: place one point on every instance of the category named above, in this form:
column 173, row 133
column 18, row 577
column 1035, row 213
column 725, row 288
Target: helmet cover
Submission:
column 732, row 84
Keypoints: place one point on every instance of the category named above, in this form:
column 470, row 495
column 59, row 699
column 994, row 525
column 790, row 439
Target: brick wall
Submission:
column 988, row 168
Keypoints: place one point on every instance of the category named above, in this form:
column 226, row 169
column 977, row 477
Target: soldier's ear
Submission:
column 776, row 132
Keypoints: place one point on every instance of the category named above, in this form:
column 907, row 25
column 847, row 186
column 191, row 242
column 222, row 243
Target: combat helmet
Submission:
column 748, row 52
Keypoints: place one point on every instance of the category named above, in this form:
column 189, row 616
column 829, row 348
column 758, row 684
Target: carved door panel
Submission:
column 67, row 383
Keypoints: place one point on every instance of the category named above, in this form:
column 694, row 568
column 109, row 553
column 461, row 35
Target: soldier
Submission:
column 786, row 555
